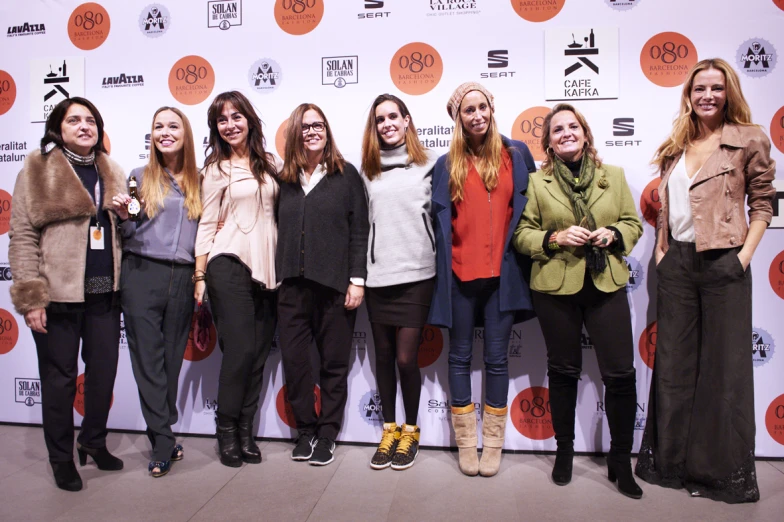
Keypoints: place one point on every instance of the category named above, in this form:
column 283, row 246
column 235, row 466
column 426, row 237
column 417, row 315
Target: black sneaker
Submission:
column 323, row 452
column 304, row 448
column 407, row 448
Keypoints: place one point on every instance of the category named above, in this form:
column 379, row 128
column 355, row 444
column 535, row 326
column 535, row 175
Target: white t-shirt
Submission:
column 681, row 220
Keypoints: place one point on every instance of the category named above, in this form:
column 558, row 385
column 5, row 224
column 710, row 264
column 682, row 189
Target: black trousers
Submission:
column 308, row 311
column 607, row 319
column 245, row 318
column 700, row 431
column 157, row 305
column 97, row 326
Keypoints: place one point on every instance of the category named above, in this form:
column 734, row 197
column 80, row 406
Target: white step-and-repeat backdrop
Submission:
column 621, row 62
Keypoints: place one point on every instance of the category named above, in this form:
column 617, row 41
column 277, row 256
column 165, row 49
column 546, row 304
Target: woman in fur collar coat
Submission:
column 65, row 257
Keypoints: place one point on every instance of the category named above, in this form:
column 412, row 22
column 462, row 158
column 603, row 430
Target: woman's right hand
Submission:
column 198, row 291
column 573, row 236
column 120, row 205
column 36, row 320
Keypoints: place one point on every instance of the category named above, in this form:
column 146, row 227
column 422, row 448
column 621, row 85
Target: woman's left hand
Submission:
column 120, row 205
column 354, row 296
column 601, row 237
column 745, row 260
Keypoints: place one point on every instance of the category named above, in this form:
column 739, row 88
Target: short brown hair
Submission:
column 590, row 150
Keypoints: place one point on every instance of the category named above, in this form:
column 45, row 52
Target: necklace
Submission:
column 259, row 204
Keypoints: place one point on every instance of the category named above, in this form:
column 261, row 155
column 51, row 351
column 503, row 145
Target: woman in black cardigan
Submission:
column 321, row 264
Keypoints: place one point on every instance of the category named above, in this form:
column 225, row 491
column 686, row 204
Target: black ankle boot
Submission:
column 66, row 476
column 562, row 470
column 228, row 441
column 103, row 459
column 563, row 401
column 250, row 451
column 619, row 467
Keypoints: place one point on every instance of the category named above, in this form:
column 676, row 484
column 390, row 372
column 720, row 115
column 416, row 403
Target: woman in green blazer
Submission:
column 579, row 221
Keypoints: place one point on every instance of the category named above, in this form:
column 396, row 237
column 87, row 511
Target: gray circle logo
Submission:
column 370, row 408
column 636, row 273
column 623, row 5
column 154, row 20
column 756, row 57
column 762, row 347
column 265, row 75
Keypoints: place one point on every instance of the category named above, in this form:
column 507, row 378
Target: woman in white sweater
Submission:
column 397, row 171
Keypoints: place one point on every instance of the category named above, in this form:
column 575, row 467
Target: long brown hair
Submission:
column 156, row 183
column 489, row 157
column 295, row 158
column 218, row 150
column 590, row 150
column 371, row 153
column 686, row 126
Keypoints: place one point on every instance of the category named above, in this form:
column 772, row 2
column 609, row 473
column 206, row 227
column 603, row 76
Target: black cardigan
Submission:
column 323, row 236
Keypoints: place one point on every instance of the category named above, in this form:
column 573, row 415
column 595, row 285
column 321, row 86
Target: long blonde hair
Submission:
column 156, row 182
column 487, row 161
column 371, row 148
column 686, row 126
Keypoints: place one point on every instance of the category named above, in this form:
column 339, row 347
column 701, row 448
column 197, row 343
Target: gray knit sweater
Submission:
column 401, row 247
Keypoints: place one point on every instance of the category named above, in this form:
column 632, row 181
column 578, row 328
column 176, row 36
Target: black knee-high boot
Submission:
column 563, row 401
column 620, row 399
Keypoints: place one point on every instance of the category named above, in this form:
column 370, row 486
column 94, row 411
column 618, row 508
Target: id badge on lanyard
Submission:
column 96, row 230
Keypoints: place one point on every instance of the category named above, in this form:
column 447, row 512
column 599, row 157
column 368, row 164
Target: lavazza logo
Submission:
column 370, row 408
column 756, row 57
column 28, row 391
column 339, row 70
column 623, row 128
column 154, row 20
column 123, row 80
column 223, row 15
column 762, row 347
column 498, row 62
column 453, row 7
column 374, row 9
column 25, row 29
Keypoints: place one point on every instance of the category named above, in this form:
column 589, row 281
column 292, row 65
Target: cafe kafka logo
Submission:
column 51, row 81
column 581, row 63
column 26, row 29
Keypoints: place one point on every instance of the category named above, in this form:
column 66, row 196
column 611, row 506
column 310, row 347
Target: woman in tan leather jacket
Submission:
column 700, row 429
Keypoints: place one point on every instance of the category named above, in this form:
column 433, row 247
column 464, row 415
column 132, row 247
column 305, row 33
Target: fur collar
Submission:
column 55, row 193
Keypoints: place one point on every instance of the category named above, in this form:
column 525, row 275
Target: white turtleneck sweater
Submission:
column 401, row 246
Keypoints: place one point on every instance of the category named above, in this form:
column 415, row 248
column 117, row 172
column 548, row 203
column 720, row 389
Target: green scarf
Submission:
column 579, row 192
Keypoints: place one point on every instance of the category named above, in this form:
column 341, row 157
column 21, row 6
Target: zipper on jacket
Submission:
column 373, row 246
column 429, row 235
column 490, row 204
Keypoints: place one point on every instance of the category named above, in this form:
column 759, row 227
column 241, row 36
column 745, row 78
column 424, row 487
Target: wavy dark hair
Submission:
column 52, row 129
column 295, row 158
column 260, row 160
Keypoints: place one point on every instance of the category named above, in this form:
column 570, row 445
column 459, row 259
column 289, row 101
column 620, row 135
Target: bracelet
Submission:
column 195, row 278
column 552, row 244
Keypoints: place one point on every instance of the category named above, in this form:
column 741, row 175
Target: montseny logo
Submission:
column 223, row 14
column 373, row 10
column 123, row 80
column 339, row 70
column 25, row 29
column 28, row 391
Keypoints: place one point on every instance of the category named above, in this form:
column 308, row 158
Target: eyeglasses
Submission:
column 317, row 126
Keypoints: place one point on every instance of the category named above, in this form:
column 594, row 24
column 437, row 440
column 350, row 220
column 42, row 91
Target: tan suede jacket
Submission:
column 50, row 221
column 741, row 169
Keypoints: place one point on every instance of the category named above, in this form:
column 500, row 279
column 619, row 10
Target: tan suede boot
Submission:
column 464, row 424
column 493, row 432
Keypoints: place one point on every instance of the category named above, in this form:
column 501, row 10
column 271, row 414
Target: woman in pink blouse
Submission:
column 236, row 263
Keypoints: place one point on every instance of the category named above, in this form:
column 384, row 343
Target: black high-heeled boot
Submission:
column 620, row 399
column 228, row 441
column 103, row 459
column 563, row 401
column 66, row 477
column 250, row 451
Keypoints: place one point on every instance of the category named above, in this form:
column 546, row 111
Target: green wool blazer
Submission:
column 549, row 208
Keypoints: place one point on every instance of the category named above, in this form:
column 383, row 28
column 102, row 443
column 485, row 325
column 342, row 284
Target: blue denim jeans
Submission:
column 468, row 299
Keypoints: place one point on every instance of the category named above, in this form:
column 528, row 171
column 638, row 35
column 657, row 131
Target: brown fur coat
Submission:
column 50, row 221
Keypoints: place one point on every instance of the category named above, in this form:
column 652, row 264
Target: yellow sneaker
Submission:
column 386, row 449
column 407, row 448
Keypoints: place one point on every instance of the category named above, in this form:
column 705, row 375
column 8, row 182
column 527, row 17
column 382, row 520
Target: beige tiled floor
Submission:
column 200, row 488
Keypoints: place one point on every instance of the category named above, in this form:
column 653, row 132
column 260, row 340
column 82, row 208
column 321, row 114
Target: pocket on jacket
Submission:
column 548, row 276
column 429, row 233
column 373, row 245
column 618, row 270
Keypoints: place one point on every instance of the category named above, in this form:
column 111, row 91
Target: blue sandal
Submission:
column 177, row 453
column 163, row 468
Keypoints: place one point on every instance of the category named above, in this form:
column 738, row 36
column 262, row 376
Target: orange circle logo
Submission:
column 776, row 127
column 5, row 211
column 774, row 419
column 530, row 412
column 650, row 204
column 280, row 138
column 194, row 353
column 191, row 80
column 79, row 399
column 776, row 274
column 666, row 59
column 299, row 17
column 780, row 5
column 648, row 344
column 283, row 406
column 88, row 26
column 431, row 345
column 9, row 331
column 528, row 129
column 7, row 92
column 416, row 68
column 537, row 11
column 107, row 143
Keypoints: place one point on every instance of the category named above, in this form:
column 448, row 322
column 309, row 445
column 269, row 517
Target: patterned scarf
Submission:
column 76, row 159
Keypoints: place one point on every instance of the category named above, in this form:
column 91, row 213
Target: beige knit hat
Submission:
column 453, row 105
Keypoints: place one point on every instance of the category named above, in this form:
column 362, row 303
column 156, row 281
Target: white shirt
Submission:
column 681, row 220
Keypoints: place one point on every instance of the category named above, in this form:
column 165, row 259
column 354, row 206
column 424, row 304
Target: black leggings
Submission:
column 399, row 345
